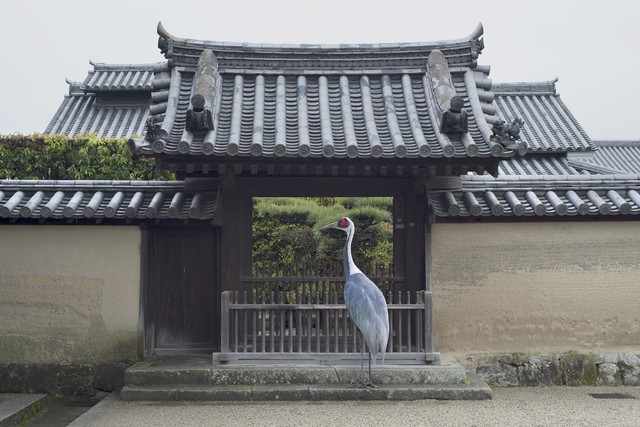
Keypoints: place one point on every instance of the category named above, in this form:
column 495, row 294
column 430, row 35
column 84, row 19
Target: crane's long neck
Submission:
column 349, row 266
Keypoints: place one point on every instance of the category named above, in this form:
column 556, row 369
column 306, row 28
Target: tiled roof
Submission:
column 356, row 101
column 334, row 101
column 549, row 125
column 532, row 164
column 484, row 196
column 377, row 58
column 337, row 116
column 103, row 200
column 611, row 157
column 367, row 100
column 112, row 102
column 80, row 114
column 121, row 77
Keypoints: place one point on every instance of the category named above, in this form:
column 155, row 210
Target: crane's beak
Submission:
column 328, row 226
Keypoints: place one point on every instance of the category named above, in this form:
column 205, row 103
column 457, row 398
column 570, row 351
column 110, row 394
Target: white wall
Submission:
column 536, row 287
column 69, row 293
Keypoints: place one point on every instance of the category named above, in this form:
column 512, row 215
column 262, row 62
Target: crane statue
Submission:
column 365, row 303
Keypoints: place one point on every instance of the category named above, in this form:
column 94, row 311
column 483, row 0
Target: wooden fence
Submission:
column 295, row 314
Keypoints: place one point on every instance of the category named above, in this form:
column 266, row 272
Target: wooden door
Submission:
column 182, row 290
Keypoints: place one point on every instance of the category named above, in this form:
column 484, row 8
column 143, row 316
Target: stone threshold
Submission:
column 188, row 378
column 474, row 389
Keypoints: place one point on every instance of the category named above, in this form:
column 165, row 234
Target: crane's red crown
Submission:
column 343, row 222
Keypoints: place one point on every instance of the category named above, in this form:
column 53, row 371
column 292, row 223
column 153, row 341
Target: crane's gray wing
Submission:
column 368, row 309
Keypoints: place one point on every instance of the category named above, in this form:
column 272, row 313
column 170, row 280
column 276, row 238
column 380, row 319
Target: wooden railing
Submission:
column 307, row 325
column 314, row 278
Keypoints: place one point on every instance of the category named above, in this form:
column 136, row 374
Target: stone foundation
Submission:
column 504, row 370
column 69, row 380
column 569, row 369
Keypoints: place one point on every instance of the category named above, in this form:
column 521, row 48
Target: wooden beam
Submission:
column 322, row 186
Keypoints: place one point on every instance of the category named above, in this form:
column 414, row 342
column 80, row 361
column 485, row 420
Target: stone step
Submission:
column 156, row 374
column 185, row 378
column 20, row 409
column 470, row 390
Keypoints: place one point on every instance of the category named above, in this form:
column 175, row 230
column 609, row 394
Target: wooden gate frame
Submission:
column 411, row 223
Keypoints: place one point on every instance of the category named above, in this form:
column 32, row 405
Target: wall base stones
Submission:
column 56, row 379
column 503, row 370
column 570, row 369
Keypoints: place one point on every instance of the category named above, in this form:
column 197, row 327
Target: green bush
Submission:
column 287, row 229
column 55, row 157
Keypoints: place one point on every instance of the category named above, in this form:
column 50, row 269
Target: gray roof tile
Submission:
column 384, row 84
column 549, row 125
column 100, row 200
column 79, row 114
column 112, row 102
column 391, row 101
column 505, row 196
column 555, row 166
column 611, row 157
column 120, row 77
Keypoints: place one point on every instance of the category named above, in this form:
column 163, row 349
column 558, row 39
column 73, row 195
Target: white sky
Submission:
column 591, row 46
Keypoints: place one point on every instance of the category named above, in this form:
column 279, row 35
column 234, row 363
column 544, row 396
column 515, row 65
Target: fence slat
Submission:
column 428, row 322
column 409, row 349
column 235, row 323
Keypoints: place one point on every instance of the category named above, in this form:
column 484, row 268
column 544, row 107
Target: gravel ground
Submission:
column 548, row 406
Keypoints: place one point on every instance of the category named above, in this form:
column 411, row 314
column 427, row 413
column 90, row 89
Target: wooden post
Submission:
column 236, row 233
column 428, row 327
column 399, row 237
column 224, row 326
column 415, row 210
column 429, row 342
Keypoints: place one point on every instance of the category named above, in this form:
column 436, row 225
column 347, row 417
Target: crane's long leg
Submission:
column 362, row 381
column 370, row 381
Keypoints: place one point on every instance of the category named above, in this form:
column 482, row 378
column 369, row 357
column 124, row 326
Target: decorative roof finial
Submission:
column 166, row 39
column 508, row 135
column 162, row 32
column 200, row 115
column 477, row 33
column 455, row 119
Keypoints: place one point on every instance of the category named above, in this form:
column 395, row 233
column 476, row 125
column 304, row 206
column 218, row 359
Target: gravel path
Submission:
column 548, row 406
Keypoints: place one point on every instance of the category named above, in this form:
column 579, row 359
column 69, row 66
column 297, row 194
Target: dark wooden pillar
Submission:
column 399, row 237
column 414, row 223
column 429, row 329
column 430, row 219
column 409, row 216
column 235, row 220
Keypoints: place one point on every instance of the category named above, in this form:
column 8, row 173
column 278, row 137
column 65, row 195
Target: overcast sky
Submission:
column 591, row 46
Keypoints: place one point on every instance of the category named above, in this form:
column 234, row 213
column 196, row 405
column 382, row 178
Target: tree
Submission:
column 286, row 229
column 41, row 156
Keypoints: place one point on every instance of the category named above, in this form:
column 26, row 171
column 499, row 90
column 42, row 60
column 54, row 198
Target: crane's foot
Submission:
column 365, row 384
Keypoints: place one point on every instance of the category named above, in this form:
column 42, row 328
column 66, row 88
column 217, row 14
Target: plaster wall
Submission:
column 69, row 294
column 536, row 287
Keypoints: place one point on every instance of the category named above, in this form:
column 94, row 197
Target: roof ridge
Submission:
column 547, row 86
column 474, row 35
column 617, row 142
column 519, row 182
column 593, row 166
column 94, row 184
column 102, row 66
